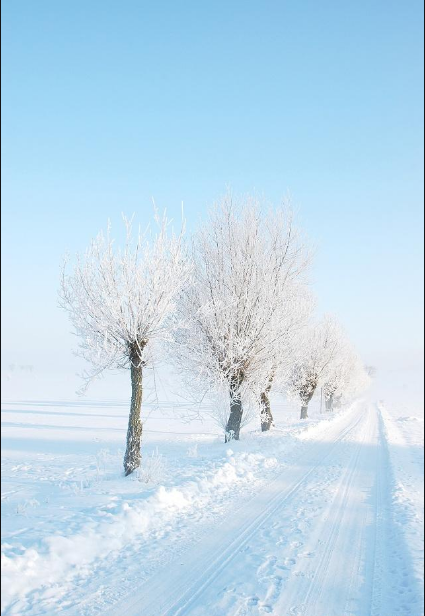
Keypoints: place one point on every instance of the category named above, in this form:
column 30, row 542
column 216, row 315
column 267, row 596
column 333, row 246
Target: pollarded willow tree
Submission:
column 320, row 348
column 119, row 302
column 230, row 321
column 294, row 310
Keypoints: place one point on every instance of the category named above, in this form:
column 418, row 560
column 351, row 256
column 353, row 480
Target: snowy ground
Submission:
column 318, row 518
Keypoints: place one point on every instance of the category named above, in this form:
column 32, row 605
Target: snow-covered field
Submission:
column 318, row 518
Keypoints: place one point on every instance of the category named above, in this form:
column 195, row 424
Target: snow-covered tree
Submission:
column 357, row 379
column 295, row 310
column 319, row 349
column 119, row 302
column 245, row 263
column 338, row 374
column 346, row 376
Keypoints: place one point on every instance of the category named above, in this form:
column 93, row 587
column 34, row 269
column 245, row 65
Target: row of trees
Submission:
column 233, row 310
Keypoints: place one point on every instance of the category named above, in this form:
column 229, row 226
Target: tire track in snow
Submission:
column 320, row 571
column 395, row 588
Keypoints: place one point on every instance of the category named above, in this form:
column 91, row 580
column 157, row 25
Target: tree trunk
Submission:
column 132, row 456
column 329, row 403
column 305, row 401
column 266, row 413
column 304, row 412
column 306, row 393
column 233, row 427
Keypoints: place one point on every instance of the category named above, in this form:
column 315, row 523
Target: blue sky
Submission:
column 106, row 104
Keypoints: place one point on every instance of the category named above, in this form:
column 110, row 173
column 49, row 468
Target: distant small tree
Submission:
column 338, row 374
column 357, row 380
column 370, row 371
column 320, row 347
column 119, row 302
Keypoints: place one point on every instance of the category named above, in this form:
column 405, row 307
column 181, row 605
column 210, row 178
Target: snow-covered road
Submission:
column 320, row 540
column 316, row 518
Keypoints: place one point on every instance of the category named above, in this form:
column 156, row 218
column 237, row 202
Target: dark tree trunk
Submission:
column 233, row 427
column 132, row 456
column 305, row 401
column 304, row 412
column 266, row 413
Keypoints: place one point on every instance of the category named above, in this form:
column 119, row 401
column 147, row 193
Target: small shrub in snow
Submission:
column 101, row 459
column 153, row 469
column 21, row 508
column 192, row 452
column 230, row 436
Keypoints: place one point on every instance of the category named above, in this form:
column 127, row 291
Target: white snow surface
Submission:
column 316, row 518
